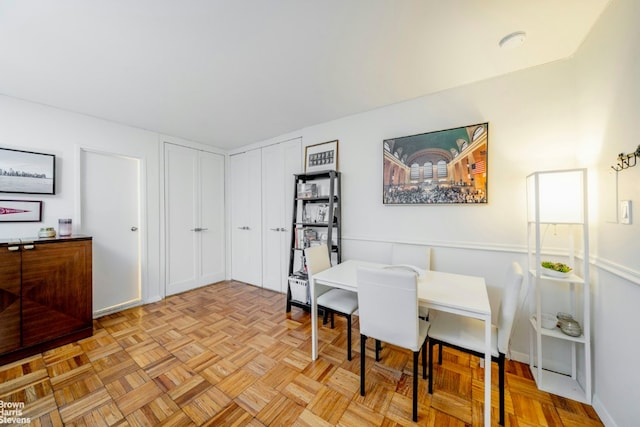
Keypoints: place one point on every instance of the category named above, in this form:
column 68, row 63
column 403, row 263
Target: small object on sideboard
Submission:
column 64, row 227
column 47, row 232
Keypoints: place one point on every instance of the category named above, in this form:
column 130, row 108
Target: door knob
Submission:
column 134, row 228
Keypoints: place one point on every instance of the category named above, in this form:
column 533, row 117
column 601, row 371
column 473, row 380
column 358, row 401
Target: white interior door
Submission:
column 279, row 163
column 246, row 214
column 110, row 212
column 181, row 166
column 194, row 197
column 211, row 238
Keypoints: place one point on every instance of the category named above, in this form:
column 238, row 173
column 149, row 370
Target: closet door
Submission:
column 279, row 163
column 211, row 238
column 246, row 222
column 194, row 186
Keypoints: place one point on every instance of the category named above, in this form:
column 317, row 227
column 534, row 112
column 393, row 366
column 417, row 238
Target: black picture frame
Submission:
column 27, row 172
column 442, row 167
column 20, row 211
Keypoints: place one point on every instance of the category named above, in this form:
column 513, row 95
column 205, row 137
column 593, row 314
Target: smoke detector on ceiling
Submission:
column 512, row 40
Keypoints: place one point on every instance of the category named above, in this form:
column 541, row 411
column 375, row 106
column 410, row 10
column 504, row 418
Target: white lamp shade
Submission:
column 558, row 195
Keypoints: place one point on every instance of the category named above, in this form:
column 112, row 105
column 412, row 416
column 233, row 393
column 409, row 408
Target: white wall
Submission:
column 34, row 127
column 608, row 66
column 532, row 125
column 529, row 115
column 575, row 113
column 523, row 111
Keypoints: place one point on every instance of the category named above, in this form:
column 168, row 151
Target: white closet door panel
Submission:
column 273, row 220
column 181, row 187
column 195, row 218
column 246, row 217
column 253, row 267
column 280, row 163
column 211, row 238
column 292, row 153
column 238, row 198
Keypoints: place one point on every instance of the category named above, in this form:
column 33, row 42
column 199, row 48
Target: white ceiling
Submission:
column 233, row 72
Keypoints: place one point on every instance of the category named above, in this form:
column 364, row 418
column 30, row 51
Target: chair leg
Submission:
column 325, row 316
column 332, row 322
column 415, row 386
column 431, row 344
column 363, row 341
column 440, row 353
column 349, row 337
column 501, row 386
column 424, row 360
column 378, row 350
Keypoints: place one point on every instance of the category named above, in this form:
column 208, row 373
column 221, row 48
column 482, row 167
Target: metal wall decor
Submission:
column 626, row 161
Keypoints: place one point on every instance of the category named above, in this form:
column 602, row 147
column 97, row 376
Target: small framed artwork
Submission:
column 27, row 172
column 20, row 211
column 321, row 157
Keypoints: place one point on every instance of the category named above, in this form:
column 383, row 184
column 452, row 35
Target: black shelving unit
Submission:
column 316, row 218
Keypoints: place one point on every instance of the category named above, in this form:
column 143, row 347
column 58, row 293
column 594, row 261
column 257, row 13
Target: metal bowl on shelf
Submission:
column 568, row 325
column 571, row 328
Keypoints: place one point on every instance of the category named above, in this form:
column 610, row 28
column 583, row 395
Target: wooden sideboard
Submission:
column 45, row 294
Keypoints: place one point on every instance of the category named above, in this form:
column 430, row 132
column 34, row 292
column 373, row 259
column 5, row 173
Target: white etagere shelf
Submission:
column 568, row 212
column 559, row 384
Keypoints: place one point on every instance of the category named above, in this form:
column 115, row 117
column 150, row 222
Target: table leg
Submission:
column 314, row 320
column 487, row 371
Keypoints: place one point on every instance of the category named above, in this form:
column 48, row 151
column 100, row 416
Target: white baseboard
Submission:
column 602, row 412
column 520, row 357
column 116, row 308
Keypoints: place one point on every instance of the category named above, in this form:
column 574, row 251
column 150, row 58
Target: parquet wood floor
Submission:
column 227, row 355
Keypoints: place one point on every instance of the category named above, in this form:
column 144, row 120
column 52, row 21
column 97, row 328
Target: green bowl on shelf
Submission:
column 556, row 269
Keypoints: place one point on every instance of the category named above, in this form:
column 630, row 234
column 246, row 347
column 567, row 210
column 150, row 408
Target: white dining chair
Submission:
column 330, row 299
column 417, row 255
column 467, row 334
column 388, row 301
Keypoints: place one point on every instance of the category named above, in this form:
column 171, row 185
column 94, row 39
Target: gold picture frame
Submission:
column 321, row 157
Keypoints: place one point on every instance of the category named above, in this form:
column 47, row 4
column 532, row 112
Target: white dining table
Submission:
column 454, row 293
